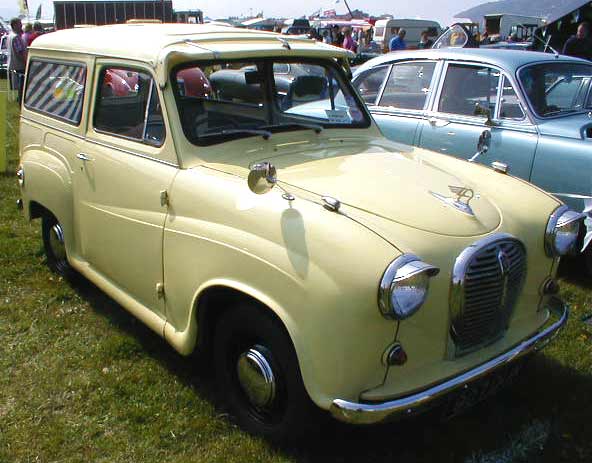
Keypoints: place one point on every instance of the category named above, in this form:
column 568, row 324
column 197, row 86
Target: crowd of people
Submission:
column 354, row 39
column 344, row 37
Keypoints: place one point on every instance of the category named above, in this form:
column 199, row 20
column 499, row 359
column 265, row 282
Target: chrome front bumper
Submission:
column 359, row 413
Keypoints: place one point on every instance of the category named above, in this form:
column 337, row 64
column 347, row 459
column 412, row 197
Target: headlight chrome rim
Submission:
column 401, row 269
column 561, row 217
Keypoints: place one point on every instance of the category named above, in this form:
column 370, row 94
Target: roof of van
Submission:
column 408, row 21
column 151, row 43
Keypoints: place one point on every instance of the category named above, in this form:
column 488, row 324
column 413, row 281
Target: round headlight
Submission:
column 562, row 231
column 404, row 286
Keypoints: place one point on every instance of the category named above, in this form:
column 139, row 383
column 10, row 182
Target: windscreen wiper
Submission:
column 559, row 111
column 304, row 125
column 264, row 133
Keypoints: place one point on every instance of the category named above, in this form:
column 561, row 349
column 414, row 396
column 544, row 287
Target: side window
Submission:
column 510, row 108
column 128, row 106
column 56, row 89
column 370, row 82
column 469, row 90
column 408, row 85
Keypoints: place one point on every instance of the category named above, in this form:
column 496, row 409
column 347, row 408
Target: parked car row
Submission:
column 240, row 200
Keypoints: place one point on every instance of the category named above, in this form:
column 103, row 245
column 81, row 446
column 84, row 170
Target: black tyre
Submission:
column 55, row 248
column 258, row 374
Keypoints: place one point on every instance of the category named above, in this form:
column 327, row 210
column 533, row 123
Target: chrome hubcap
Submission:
column 256, row 378
column 56, row 242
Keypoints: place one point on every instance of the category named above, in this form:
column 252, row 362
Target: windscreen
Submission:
column 221, row 100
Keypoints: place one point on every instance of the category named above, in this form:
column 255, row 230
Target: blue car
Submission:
column 533, row 110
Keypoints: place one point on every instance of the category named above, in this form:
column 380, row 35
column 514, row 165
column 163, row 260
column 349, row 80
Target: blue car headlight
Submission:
column 404, row 286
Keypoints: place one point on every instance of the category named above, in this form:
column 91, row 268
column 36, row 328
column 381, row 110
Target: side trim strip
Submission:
column 570, row 195
column 133, row 153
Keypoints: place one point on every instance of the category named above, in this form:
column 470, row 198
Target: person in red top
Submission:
column 28, row 35
column 32, row 32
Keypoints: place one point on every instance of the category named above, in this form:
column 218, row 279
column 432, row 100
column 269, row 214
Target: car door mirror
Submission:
column 262, row 177
column 489, row 122
column 481, row 110
column 482, row 145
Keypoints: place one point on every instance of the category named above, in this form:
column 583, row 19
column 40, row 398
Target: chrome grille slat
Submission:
column 487, row 281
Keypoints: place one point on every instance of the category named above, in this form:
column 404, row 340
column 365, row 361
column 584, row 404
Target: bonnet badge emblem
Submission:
column 461, row 199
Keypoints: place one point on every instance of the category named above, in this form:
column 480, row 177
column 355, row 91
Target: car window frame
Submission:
column 433, row 84
column 466, row 117
column 527, row 123
column 99, row 69
column 269, row 91
column 388, row 67
column 498, row 106
column 87, row 82
column 429, row 97
column 533, row 114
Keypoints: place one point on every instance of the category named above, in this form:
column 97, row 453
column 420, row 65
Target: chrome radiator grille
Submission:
column 486, row 282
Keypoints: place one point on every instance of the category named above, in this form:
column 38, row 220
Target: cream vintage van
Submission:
column 229, row 188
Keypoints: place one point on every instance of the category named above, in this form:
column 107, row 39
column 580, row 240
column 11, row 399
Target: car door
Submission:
column 124, row 170
column 474, row 98
column 397, row 95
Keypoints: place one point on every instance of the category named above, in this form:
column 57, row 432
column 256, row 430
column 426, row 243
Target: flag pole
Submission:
column 348, row 9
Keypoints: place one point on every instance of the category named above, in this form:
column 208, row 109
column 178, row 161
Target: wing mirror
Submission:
column 489, row 121
column 262, row 177
column 482, row 145
column 486, row 112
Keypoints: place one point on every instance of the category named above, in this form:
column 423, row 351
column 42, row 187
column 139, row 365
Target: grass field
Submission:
column 82, row 380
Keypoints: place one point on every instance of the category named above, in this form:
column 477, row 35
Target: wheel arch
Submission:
column 213, row 301
column 47, row 188
column 214, row 298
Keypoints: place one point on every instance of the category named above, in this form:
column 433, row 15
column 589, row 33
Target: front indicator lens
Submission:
column 404, row 286
column 562, row 232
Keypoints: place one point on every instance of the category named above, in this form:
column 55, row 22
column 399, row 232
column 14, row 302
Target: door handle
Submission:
column 435, row 122
column 84, row 157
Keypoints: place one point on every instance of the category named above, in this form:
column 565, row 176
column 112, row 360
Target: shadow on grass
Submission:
column 573, row 269
column 186, row 369
column 543, row 416
column 496, row 430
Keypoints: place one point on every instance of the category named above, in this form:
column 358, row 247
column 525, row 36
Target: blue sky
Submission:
column 441, row 11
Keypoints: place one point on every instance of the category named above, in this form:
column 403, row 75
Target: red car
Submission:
column 193, row 82
column 120, row 82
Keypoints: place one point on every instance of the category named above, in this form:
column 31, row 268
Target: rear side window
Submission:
column 128, row 106
column 56, row 89
column 510, row 107
column 408, row 85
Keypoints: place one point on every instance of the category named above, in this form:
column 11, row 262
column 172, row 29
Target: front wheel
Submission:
column 258, row 373
column 55, row 247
